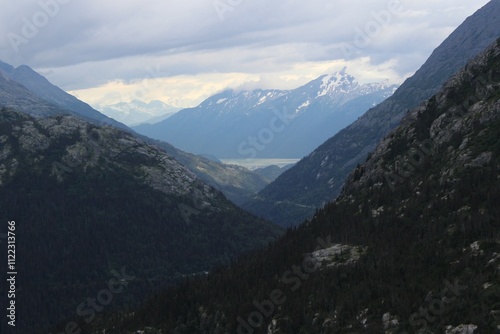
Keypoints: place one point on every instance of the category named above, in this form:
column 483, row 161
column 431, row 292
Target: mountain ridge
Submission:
column 41, row 87
column 269, row 123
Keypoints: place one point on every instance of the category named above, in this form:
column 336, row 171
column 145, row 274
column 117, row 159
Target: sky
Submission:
column 183, row 51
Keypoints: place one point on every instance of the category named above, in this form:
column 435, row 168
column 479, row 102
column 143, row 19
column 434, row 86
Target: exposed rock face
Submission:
column 390, row 321
column 117, row 148
column 453, row 127
column 462, row 329
column 92, row 144
column 338, row 255
column 237, row 183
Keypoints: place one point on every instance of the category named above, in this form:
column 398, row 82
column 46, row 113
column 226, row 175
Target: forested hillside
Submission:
column 411, row 245
column 89, row 201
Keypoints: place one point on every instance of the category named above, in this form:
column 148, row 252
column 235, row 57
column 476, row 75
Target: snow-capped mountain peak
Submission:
column 339, row 82
column 136, row 111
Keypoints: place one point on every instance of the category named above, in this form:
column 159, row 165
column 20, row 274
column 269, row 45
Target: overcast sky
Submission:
column 182, row 51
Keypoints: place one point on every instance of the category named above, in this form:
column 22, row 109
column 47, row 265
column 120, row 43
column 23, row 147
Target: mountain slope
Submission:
column 15, row 95
column 237, row 183
column 92, row 200
column 420, row 255
column 318, row 178
column 269, row 123
column 25, row 90
column 42, row 88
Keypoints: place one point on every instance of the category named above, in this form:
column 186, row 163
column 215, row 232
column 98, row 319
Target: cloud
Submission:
column 178, row 91
column 91, row 46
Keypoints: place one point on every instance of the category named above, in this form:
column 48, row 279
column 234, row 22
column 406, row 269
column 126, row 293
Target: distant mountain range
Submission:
column 319, row 177
column 137, row 112
column 270, row 123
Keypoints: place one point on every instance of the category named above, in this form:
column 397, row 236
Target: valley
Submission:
column 253, row 164
column 311, row 187
column 414, row 257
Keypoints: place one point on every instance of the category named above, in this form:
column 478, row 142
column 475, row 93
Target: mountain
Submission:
column 89, row 201
column 43, row 99
column 319, row 177
column 411, row 245
column 39, row 86
column 269, row 123
column 237, row 183
column 15, row 95
column 136, row 112
column 272, row 172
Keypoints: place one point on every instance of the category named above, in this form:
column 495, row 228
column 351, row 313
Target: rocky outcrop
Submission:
column 461, row 329
column 337, row 255
column 93, row 144
column 448, row 124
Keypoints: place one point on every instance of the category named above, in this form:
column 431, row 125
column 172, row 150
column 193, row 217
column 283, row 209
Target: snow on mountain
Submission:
column 344, row 85
column 232, row 100
column 339, row 87
column 270, row 123
column 303, row 105
column 137, row 112
column 337, row 83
